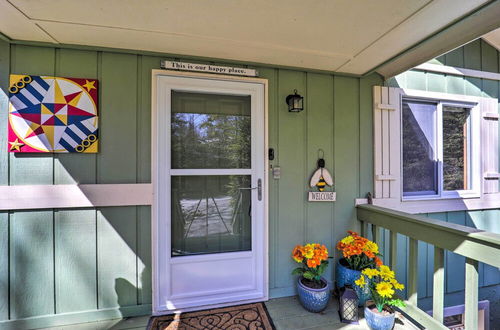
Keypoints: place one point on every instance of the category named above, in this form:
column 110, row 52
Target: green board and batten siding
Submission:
column 477, row 55
column 63, row 266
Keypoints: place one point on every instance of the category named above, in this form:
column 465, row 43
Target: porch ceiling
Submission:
column 493, row 38
column 334, row 35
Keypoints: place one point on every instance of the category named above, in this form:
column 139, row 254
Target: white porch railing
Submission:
column 475, row 245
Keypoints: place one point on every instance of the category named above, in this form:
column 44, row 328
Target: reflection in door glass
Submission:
column 210, row 131
column 210, row 214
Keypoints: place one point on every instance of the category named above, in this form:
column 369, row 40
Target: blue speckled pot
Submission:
column 376, row 321
column 346, row 276
column 313, row 300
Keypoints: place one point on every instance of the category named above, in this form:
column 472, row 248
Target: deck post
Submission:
column 471, row 293
column 438, row 286
column 413, row 272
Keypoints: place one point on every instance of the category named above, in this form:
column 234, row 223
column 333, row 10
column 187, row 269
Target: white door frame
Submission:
column 158, row 306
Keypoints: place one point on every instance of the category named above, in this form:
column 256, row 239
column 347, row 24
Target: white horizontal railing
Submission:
column 475, row 245
column 29, row 197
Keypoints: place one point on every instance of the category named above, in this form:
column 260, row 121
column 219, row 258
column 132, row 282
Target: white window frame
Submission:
column 441, row 101
column 387, row 141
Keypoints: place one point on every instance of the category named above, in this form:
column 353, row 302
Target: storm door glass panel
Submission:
column 210, row 130
column 420, row 166
column 456, row 148
column 211, row 214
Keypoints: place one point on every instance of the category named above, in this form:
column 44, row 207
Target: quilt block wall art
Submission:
column 52, row 114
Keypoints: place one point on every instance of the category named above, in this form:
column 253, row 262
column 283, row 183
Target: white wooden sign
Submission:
column 322, row 196
column 174, row 65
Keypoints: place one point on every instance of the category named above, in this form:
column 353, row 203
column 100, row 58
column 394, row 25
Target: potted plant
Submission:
column 358, row 253
column 382, row 284
column 312, row 288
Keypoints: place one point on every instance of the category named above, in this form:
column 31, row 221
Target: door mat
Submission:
column 242, row 317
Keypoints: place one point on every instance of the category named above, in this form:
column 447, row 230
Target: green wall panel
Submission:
column 145, row 65
column 472, row 55
column 366, row 132
column 273, row 141
column 319, row 107
column 31, row 264
column 116, row 161
column 4, row 269
column 74, row 167
column 291, row 226
column 4, row 99
column 32, row 168
column 117, row 257
column 75, row 260
column 346, row 146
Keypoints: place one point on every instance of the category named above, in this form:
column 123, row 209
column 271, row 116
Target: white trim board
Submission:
column 31, row 197
column 457, row 71
column 488, row 201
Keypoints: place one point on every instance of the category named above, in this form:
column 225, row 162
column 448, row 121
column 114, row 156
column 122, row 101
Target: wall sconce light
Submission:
column 348, row 305
column 295, row 102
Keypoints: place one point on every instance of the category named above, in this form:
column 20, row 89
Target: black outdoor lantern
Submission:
column 295, row 102
column 348, row 305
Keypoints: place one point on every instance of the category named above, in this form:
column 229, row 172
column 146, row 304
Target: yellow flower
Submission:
column 308, row 251
column 384, row 289
column 386, row 273
column 347, row 240
column 372, row 247
column 360, row 281
column 397, row 285
column 370, row 272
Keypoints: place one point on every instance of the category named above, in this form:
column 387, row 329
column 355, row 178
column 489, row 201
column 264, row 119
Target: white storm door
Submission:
column 211, row 230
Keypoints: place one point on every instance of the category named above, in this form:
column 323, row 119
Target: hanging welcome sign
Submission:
column 320, row 179
column 175, row 65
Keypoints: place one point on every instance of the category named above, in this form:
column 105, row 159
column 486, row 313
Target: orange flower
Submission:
column 297, row 254
column 378, row 261
column 321, row 252
column 313, row 263
column 352, row 233
column 369, row 254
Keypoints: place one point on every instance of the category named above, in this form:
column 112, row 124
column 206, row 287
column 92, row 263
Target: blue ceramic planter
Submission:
column 313, row 300
column 346, row 276
column 377, row 321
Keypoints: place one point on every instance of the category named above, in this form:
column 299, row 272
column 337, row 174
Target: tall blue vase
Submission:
column 346, row 276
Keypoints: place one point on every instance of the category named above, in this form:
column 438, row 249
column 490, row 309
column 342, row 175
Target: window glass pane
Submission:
column 419, row 148
column 456, row 132
column 210, row 214
column 210, row 131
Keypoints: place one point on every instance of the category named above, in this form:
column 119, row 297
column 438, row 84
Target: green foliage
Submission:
column 396, row 303
column 361, row 261
column 310, row 275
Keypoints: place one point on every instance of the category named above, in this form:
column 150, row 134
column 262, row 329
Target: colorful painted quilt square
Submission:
column 52, row 114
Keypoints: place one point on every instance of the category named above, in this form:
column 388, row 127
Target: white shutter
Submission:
column 489, row 142
column 387, row 142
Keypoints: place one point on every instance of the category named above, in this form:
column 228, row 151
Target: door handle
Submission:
column 259, row 189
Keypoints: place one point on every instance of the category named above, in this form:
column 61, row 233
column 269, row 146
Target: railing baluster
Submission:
column 471, row 293
column 438, row 286
column 394, row 250
column 413, row 272
column 364, row 228
column 376, row 235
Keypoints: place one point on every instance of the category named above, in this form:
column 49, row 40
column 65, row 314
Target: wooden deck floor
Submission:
column 286, row 313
